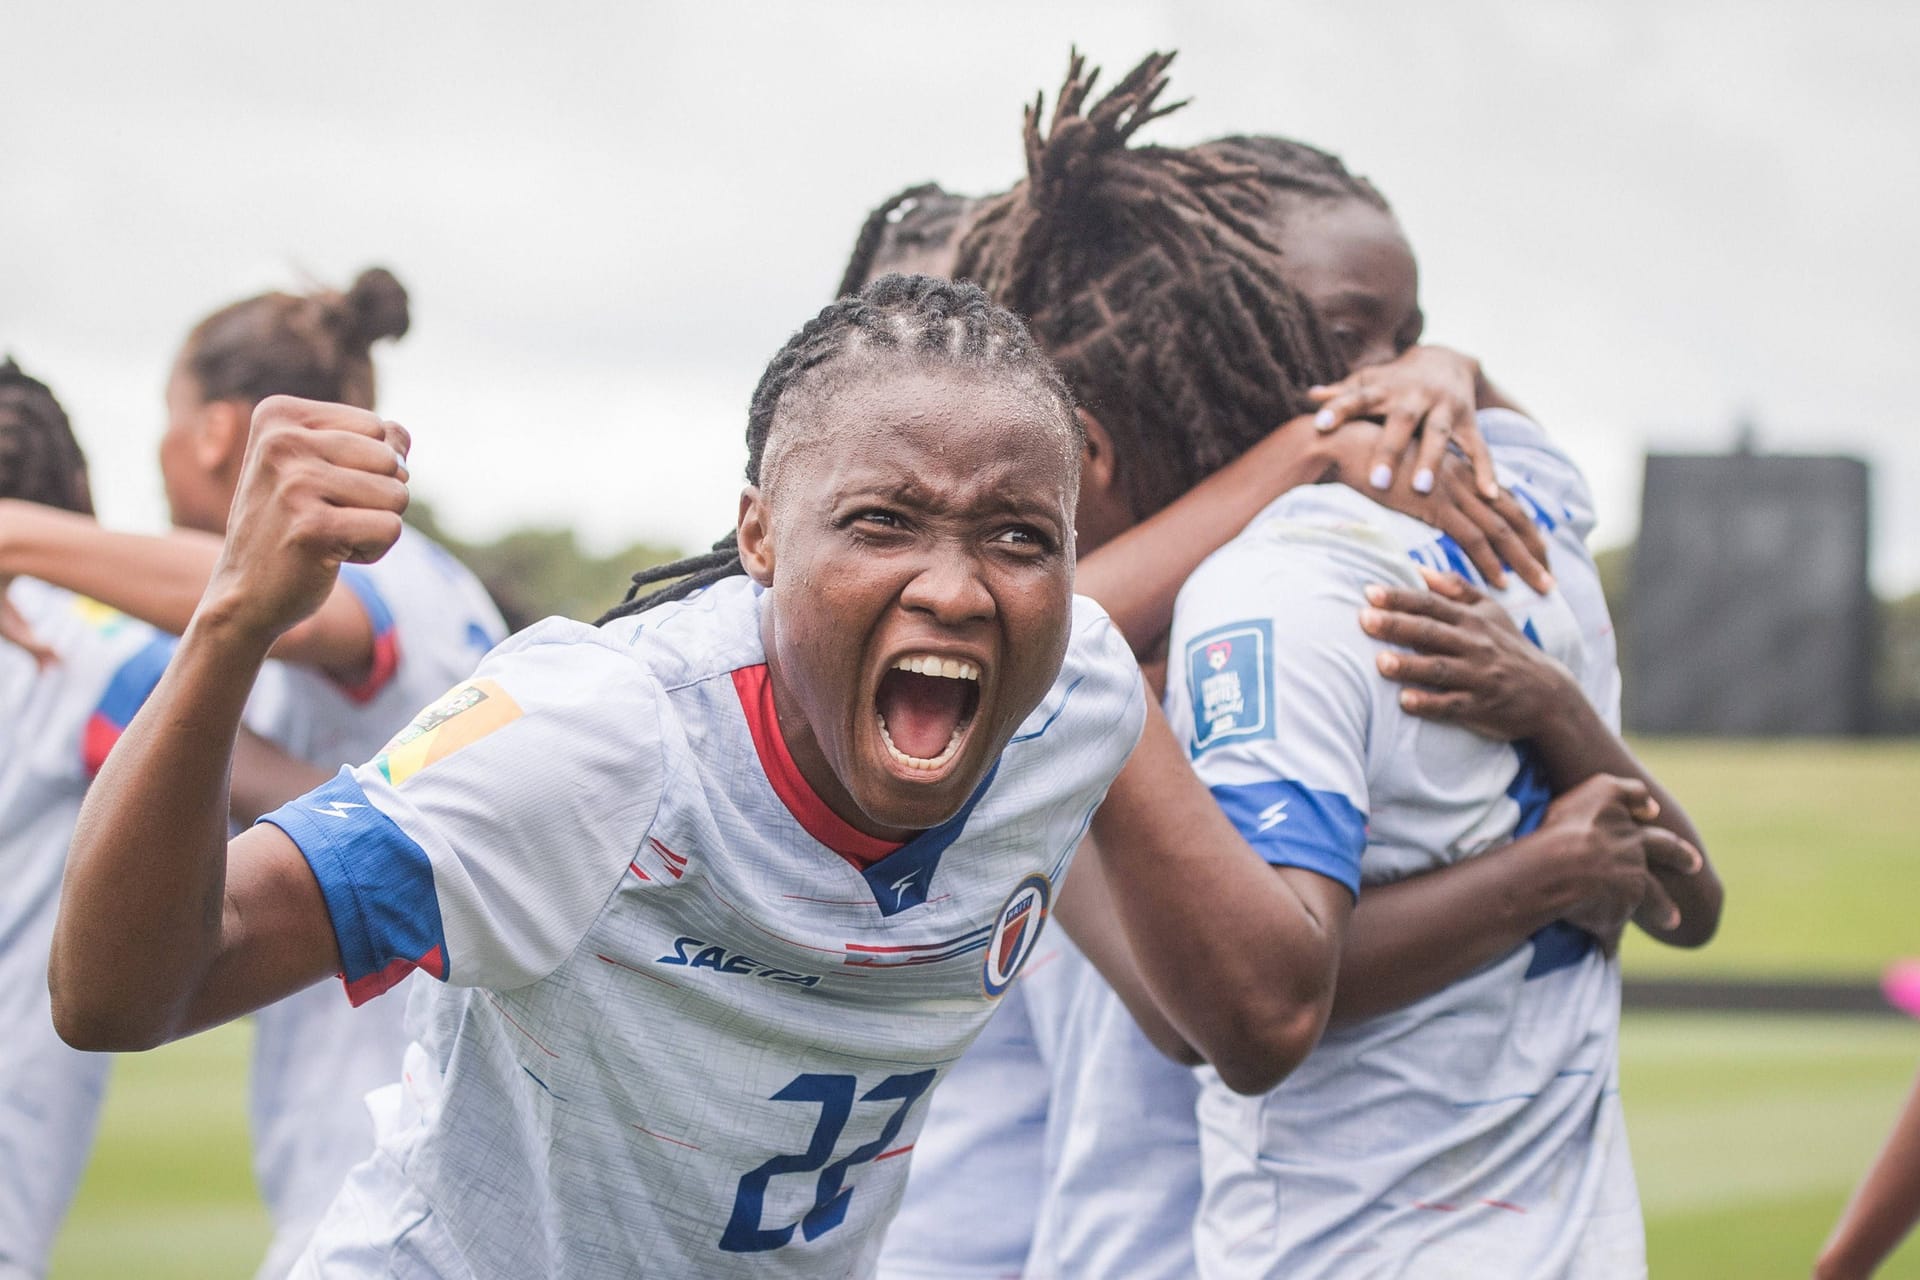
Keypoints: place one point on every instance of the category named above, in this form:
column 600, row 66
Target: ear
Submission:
column 222, row 439
column 1099, row 464
column 756, row 536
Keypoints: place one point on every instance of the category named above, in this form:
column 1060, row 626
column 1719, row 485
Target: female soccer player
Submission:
column 1119, row 1204
column 718, row 889
column 388, row 638
column 71, row 677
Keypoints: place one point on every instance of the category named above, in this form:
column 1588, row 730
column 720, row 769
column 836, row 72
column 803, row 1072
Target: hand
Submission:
column 1610, row 857
column 1429, row 392
column 16, row 630
column 1471, row 665
column 321, row 485
column 1494, row 532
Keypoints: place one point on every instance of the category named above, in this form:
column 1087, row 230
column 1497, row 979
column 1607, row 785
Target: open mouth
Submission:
column 925, row 704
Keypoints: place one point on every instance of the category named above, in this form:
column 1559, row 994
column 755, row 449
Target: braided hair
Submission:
column 40, row 461
column 917, row 320
column 1148, row 276
column 315, row 345
column 908, row 225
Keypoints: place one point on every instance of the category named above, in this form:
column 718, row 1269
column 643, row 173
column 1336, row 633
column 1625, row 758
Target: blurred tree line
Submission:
column 534, row 573
column 1896, row 643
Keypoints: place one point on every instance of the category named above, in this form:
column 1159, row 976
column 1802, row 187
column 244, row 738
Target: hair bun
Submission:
column 377, row 306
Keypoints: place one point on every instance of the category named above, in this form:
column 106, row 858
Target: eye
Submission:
column 1024, row 538
column 1350, row 342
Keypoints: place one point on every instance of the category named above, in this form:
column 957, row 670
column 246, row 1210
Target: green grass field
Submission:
column 1748, row 1132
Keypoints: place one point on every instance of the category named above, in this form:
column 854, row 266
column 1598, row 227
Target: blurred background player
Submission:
column 1884, row 1206
column 60, row 707
column 72, row 675
column 388, row 639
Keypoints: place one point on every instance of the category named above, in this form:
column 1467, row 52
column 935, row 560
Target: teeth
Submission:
column 926, row 664
column 915, row 762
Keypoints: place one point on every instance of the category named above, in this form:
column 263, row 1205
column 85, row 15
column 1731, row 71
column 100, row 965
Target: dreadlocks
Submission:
column 1146, row 274
column 40, row 460
column 911, row 319
column 1296, row 172
column 905, row 234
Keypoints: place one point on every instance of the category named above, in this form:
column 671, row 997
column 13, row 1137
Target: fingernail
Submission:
column 1490, row 492
column 1323, row 419
column 1370, row 619
column 1423, row 480
column 1388, row 663
column 1653, row 808
column 1315, row 390
column 1673, row 919
column 1376, row 593
column 1551, row 582
column 1408, row 701
column 1381, row 476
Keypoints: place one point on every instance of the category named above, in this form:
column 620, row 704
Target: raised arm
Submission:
column 163, row 928
column 1136, row 576
column 161, row 579
column 1238, row 954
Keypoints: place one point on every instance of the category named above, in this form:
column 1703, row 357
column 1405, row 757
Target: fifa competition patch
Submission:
column 1230, row 682
column 466, row 714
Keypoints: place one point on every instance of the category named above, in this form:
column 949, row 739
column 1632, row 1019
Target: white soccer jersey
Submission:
column 314, row 1058
column 685, row 1030
column 56, row 727
column 1477, row 1132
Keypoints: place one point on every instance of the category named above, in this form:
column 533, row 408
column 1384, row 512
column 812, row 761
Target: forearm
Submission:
column 142, row 906
column 1086, row 911
column 1239, row 955
column 1577, row 744
column 1884, row 1208
column 158, row 580
column 1417, row 936
column 1136, row 576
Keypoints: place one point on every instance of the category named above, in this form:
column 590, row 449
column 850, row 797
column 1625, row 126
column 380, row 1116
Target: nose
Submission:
column 949, row 589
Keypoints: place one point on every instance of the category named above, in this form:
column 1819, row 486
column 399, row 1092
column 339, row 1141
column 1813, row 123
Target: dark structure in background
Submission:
column 1750, row 607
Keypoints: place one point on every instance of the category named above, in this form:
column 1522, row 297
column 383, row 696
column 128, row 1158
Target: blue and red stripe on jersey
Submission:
column 126, row 693
column 377, row 882
column 386, row 637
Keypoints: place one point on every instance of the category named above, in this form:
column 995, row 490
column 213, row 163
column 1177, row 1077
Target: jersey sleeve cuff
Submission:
column 386, row 636
column 377, row 884
column 128, row 691
column 1291, row 825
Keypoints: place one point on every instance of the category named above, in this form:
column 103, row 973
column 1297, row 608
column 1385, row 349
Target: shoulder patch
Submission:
column 1230, row 681
column 462, row 716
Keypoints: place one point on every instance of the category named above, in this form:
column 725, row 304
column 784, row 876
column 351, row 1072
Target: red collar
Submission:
column 819, row 821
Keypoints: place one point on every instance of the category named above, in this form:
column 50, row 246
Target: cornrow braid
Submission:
column 1147, row 274
column 40, row 461
column 918, row 320
column 908, row 225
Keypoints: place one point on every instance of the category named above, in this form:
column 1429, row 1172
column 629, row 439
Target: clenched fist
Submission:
column 321, row 485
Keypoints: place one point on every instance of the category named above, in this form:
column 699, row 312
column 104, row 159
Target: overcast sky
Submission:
column 1644, row 217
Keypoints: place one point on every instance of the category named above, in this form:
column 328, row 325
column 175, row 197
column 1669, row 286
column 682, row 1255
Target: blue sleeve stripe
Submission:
column 377, row 882
column 360, row 582
column 134, row 681
column 1291, row 825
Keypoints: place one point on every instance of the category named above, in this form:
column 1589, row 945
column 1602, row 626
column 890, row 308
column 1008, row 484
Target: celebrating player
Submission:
column 389, row 637
column 717, row 889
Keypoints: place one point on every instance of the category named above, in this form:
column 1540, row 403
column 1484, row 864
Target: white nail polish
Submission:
column 1423, row 481
column 1382, row 476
